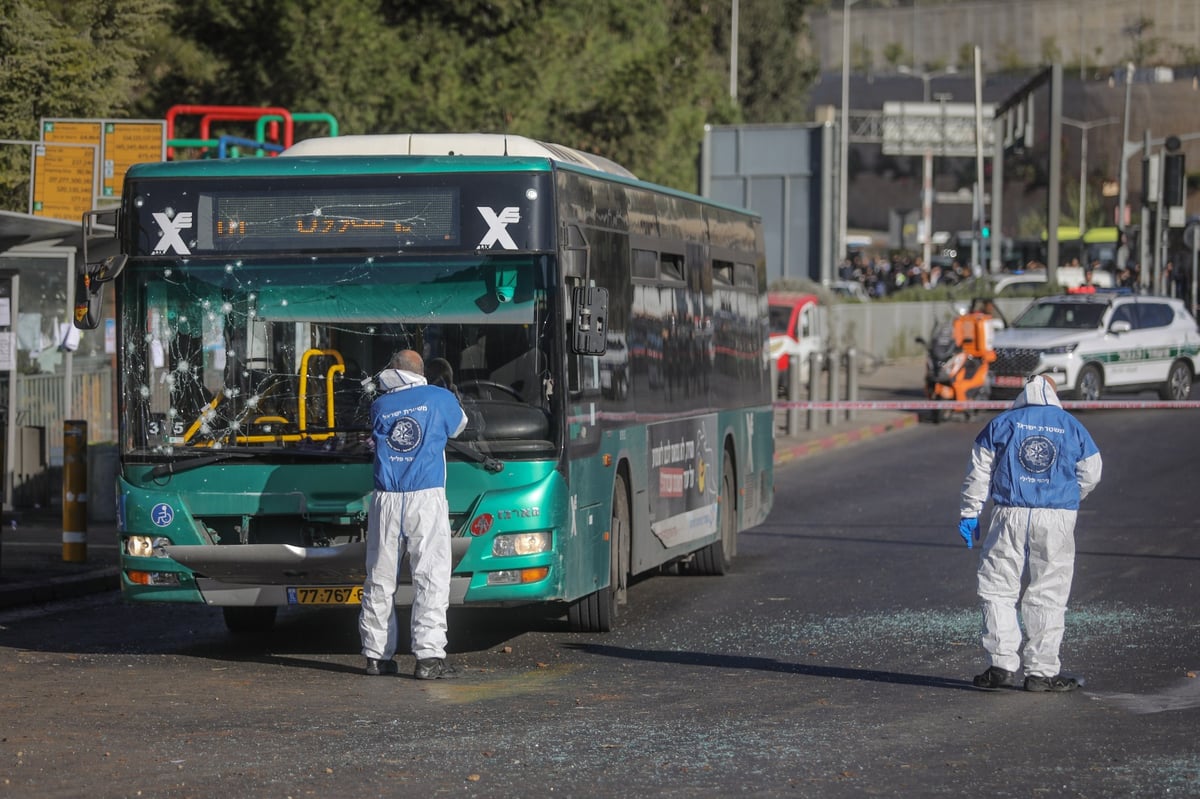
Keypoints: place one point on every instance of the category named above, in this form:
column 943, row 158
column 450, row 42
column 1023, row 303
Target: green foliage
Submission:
column 895, row 54
column 60, row 58
column 634, row 80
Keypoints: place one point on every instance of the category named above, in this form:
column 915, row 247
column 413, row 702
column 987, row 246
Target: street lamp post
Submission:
column 1123, row 247
column 927, row 163
column 1084, row 127
column 844, row 143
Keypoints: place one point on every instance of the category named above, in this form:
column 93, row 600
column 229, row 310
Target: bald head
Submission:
column 409, row 361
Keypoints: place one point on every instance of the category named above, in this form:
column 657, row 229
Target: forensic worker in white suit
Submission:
column 411, row 422
column 1036, row 463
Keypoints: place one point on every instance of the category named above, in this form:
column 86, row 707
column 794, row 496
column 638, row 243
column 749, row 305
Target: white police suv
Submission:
column 1094, row 343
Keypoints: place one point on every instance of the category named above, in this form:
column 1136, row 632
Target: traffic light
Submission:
column 1174, row 180
column 985, row 229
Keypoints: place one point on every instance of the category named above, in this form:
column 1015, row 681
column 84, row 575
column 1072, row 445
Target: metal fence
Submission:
column 40, row 404
column 886, row 330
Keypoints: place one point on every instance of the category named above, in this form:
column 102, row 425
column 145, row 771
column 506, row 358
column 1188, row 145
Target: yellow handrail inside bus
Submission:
column 302, row 412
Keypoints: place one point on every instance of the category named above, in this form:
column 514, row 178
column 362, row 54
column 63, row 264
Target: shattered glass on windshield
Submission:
column 279, row 356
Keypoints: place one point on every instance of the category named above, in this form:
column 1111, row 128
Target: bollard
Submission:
column 834, row 362
column 814, row 387
column 793, row 414
column 851, row 380
column 74, row 537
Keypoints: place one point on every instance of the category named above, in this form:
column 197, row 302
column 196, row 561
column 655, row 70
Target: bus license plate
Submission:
column 325, row 595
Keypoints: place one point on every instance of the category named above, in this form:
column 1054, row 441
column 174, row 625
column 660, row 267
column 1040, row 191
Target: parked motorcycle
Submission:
column 957, row 357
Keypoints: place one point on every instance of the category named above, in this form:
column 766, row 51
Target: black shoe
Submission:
column 1057, row 684
column 434, row 669
column 994, row 678
column 377, row 667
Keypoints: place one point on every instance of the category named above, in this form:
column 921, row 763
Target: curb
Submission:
column 35, row 592
column 837, row 440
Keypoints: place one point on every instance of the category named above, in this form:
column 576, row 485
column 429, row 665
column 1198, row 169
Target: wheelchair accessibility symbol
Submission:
column 162, row 514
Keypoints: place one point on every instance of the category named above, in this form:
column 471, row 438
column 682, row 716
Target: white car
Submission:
column 1094, row 343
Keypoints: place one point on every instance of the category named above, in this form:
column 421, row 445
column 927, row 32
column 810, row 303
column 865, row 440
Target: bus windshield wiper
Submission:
column 470, row 453
column 175, row 467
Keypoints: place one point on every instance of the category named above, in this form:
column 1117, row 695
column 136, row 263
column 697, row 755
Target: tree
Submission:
column 775, row 69
column 1142, row 46
column 66, row 59
column 634, row 80
column 895, row 54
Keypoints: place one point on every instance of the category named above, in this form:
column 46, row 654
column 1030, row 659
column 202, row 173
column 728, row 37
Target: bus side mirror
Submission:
column 88, row 301
column 89, row 289
column 90, row 280
column 589, row 314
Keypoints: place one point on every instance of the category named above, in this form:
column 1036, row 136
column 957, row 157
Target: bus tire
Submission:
column 243, row 620
column 596, row 612
column 717, row 557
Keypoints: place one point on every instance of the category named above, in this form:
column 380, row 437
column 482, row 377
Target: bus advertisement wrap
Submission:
column 683, row 493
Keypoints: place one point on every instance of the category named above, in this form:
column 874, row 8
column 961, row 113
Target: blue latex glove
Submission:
column 969, row 530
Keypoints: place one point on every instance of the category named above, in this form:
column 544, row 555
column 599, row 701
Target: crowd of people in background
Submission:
column 882, row 275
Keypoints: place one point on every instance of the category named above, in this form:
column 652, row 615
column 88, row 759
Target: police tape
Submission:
column 981, row 405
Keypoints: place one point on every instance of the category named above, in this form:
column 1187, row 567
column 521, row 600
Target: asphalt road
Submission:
column 835, row 661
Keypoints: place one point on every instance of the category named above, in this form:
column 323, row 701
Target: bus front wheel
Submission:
column 596, row 612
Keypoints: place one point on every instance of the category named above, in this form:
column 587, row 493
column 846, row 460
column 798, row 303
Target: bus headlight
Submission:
column 143, row 546
column 520, row 544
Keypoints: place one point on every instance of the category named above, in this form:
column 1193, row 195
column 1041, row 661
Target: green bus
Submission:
column 608, row 338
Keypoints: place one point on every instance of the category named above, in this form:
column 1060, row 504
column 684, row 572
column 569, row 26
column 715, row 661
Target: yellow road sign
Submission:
column 72, row 131
column 127, row 143
column 64, row 177
column 120, row 143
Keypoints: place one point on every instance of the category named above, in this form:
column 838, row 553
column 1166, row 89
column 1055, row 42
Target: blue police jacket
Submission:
column 1034, row 455
column 410, row 424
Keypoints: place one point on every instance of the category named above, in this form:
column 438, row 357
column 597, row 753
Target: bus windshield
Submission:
column 276, row 356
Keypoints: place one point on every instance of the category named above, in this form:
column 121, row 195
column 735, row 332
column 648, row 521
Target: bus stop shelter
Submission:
column 49, row 372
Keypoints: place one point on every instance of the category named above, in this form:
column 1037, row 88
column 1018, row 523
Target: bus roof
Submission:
column 332, row 166
column 454, row 144
column 377, row 155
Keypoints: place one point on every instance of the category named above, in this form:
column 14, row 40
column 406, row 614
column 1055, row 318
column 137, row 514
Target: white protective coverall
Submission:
column 411, row 422
column 1036, row 462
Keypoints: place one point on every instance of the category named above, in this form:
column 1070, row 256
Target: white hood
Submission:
column 396, row 379
column 1037, row 392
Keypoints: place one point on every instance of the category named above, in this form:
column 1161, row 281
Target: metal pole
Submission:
column 834, row 363
column 793, row 395
column 1144, row 269
column 74, row 536
column 851, row 380
column 997, row 260
column 1055, row 192
column 978, row 264
column 927, row 206
column 733, row 53
column 1083, row 137
column 814, row 387
column 11, row 442
column 843, row 163
column 1123, row 252
column 1195, row 263
column 1159, row 250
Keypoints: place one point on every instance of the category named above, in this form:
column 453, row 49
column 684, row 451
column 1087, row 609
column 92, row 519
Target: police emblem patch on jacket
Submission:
column 405, row 435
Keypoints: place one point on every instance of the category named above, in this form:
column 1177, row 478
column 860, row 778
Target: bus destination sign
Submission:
column 307, row 221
